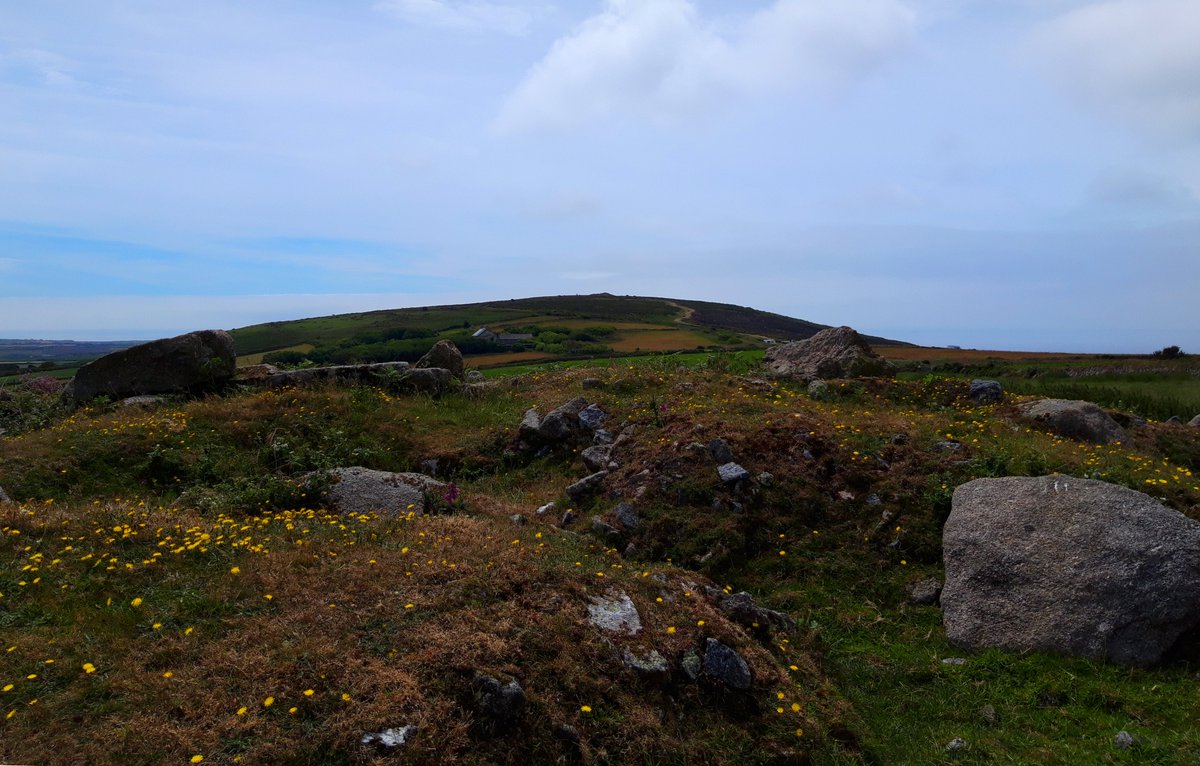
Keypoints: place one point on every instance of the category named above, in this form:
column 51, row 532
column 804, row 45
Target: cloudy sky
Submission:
column 987, row 173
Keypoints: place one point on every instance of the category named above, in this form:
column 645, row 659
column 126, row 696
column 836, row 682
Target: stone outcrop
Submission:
column 1076, row 566
column 1079, row 420
column 186, row 364
column 357, row 490
column 838, row 352
column 394, row 376
column 444, row 355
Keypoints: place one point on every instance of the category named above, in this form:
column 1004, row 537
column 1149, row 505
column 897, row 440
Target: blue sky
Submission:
column 985, row 173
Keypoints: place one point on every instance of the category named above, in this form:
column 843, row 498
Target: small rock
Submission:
column 140, row 401
column 586, row 485
column 567, row 517
column 592, row 417
column 691, row 666
column 388, row 740
column 1124, row 740
column 651, row 665
column 430, row 466
column 518, row 519
column 1174, row 420
column 592, row 383
column 356, row 490
column 499, row 705
column 732, row 472
column 545, row 509
column 899, row 439
column 844, row 495
column 740, row 608
column 958, row 743
column 985, row 391
column 600, row 436
column 4, row 498
column 597, row 457
column 475, row 376
column 529, row 423
column 627, row 515
column 1195, row 422
column 953, row 661
column 766, row 479
column 820, row 390
column 615, row 613
column 988, row 714
column 605, row 531
column 719, row 449
column 724, row 665
column 873, row 499
column 925, row 592
column 948, row 446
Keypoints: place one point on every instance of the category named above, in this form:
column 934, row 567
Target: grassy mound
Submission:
column 173, row 585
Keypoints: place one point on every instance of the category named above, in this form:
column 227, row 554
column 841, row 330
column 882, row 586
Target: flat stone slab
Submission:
column 615, row 613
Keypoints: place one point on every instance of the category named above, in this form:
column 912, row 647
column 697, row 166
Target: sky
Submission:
column 1006, row 174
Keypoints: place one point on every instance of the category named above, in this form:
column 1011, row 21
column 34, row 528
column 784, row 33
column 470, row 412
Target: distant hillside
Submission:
column 58, row 350
column 563, row 327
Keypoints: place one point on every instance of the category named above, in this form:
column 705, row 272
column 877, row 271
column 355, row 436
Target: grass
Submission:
column 250, row 589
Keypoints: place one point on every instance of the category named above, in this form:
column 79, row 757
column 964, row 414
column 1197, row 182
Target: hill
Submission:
column 573, row 326
column 175, row 585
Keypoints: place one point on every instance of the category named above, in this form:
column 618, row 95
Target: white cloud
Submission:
column 454, row 14
column 1139, row 59
column 660, row 59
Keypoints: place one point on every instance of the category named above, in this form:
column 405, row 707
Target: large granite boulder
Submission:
column 191, row 363
column 1076, row 566
column 838, row 352
column 357, row 490
column 1073, row 419
column 444, row 355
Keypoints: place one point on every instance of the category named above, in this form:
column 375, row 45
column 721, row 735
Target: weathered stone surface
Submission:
column 725, row 666
column 545, row 509
column 140, row 402
column 363, row 490
column 592, row 417
column 605, row 531
column 1076, row 566
column 444, row 355
column 586, row 485
column 838, row 352
column 596, row 457
column 820, row 390
column 529, row 424
column 985, row 391
column 615, row 613
column 1195, row 422
column 4, row 498
column 474, row 376
column 1124, row 740
column 192, row 363
column 627, row 515
column 740, row 608
column 395, row 376
column 498, row 705
column 719, row 449
column 388, row 740
column 731, row 472
column 255, row 372
column 1073, row 419
column 649, row 665
column 925, row 592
